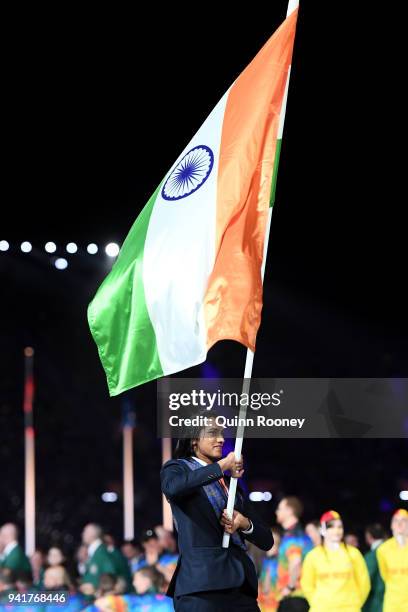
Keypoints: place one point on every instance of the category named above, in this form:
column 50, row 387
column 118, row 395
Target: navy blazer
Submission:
column 203, row 564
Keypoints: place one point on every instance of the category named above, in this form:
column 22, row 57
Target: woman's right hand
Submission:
column 230, row 463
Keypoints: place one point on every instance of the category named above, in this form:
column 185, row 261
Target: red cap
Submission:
column 330, row 515
column 401, row 513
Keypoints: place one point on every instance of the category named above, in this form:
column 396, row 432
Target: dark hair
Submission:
column 184, row 448
column 296, row 505
column 331, row 523
column 156, row 577
column 107, row 583
column 185, row 445
column 134, row 543
column 7, row 576
column 25, row 577
column 376, row 531
column 148, row 534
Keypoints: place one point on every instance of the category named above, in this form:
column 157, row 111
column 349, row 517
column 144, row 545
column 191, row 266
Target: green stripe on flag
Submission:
column 275, row 172
column 118, row 316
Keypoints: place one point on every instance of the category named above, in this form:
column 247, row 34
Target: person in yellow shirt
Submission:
column 334, row 575
column 393, row 563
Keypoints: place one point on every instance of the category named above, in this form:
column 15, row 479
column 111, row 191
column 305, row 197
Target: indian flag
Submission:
column 189, row 271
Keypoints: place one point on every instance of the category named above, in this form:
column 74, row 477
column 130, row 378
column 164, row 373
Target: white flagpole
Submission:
column 128, row 493
column 292, row 5
column 29, row 487
column 128, row 426
column 167, row 514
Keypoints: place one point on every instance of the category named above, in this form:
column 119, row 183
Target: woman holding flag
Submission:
column 208, row 577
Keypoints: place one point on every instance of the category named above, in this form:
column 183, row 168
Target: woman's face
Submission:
column 55, row 557
column 399, row 526
column 334, row 532
column 209, row 444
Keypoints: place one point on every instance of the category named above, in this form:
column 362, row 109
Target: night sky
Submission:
column 98, row 107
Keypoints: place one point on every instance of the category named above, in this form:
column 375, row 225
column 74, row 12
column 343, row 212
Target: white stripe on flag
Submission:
column 178, row 259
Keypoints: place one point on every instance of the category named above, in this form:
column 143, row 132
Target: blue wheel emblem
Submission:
column 190, row 173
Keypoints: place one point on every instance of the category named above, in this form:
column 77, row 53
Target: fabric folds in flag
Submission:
column 189, row 271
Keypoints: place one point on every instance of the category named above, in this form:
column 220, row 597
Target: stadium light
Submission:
column 71, row 247
column 61, row 263
column 50, row 247
column 256, row 496
column 109, row 497
column 112, row 249
column 92, row 248
column 26, row 247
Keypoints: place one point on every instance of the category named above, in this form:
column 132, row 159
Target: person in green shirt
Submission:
column 99, row 560
column 375, row 536
column 122, row 569
column 13, row 556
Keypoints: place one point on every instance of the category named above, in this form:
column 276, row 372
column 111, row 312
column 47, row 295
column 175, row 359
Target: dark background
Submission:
column 98, row 107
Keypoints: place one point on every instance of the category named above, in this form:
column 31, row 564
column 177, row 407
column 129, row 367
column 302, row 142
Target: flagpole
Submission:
column 128, row 417
column 29, row 481
column 167, row 514
column 292, row 5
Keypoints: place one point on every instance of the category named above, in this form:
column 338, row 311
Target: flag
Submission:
column 189, row 271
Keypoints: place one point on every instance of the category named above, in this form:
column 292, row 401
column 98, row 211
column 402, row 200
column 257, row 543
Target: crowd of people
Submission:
column 100, row 576
column 317, row 567
column 320, row 567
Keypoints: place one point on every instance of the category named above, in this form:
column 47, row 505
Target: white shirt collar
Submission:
column 93, row 547
column 200, row 461
column 10, row 546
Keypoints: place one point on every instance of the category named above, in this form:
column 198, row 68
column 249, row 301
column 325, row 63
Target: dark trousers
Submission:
column 227, row 600
column 293, row 604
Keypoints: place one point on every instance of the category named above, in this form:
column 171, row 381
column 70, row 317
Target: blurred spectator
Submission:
column 152, row 549
column 106, row 585
column 122, row 570
column 13, row 556
column 37, row 567
column 294, row 546
column 132, row 551
column 81, row 557
column 393, row 563
column 334, row 575
column 167, row 562
column 312, row 529
column 7, row 584
column 99, row 560
column 257, row 555
column 107, row 599
column 55, row 556
column 56, row 578
column 351, row 538
column 148, row 580
column 267, row 598
column 24, row 581
column 375, row 536
column 167, row 540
